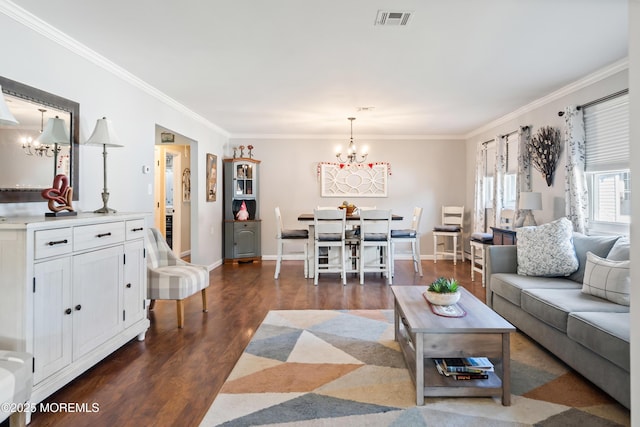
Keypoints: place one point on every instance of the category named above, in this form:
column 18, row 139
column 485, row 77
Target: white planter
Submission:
column 443, row 299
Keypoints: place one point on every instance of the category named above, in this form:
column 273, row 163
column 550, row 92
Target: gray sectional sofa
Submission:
column 589, row 333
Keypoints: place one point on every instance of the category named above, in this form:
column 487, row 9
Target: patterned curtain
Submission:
column 498, row 177
column 523, row 179
column 576, row 195
column 481, row 155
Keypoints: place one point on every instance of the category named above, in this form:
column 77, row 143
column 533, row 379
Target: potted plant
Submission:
column 443, row 291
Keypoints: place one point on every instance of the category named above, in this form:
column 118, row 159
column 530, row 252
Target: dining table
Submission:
column 351, row 221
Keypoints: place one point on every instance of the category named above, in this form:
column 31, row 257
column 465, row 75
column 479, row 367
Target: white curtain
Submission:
column 576, row 195
column 498, row 177
column 523, row 178
column 479, row 202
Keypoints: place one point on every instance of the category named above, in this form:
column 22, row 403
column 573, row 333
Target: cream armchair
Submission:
column 170, row 278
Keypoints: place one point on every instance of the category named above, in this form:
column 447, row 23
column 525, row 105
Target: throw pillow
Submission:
column 597, row 245
column 546, row 250
column 620, row 251
column 607, row 279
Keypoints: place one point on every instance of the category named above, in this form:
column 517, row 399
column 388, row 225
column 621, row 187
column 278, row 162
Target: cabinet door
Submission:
column 246, row 239
column 135, row 275
column 52, row 317
column 97, row 293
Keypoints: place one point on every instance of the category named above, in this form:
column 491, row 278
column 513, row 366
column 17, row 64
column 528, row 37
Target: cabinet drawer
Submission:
column 93, row 236
column 52, row 242
column 135, row 229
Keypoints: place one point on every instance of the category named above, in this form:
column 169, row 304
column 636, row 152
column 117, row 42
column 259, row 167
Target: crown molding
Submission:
column 586, row 81
column 27, row 19
column 283, row 136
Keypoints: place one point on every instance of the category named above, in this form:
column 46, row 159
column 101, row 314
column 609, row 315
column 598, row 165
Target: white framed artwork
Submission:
column 353, row 179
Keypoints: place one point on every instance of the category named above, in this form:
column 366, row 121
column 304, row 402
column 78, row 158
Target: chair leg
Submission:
column 317, row 266
column 306, row 261
column 18, row 419
column 278, row 260
column 435, row 249
column 204, row 300
column 344, row 265
column 152, row 304
column 180, row 308
column 455, row 250
column 473, row 262
column 416, row 255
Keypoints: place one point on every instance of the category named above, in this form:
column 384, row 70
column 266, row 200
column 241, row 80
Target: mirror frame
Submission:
column 19, row 90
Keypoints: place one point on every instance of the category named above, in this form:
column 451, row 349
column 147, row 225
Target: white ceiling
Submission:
column 301, row 67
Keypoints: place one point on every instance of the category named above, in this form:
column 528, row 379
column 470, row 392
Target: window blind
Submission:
column 607, row 135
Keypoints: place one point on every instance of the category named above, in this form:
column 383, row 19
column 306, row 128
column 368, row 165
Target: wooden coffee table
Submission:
column 423, row 335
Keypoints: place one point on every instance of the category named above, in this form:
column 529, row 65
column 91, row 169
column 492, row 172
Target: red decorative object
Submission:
column 60, row 196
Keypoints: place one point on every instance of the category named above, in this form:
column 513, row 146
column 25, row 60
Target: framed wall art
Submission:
column 212, row 177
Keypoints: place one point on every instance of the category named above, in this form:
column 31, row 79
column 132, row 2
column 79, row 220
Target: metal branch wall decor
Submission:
column 544, row 151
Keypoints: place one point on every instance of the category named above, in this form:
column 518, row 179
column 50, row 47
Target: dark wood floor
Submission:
column 172, row 377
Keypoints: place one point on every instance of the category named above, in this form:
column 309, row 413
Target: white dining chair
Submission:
column 412, row 236
column 375, row 232
column 329, row 232
column 290, row 235
column 451, row 228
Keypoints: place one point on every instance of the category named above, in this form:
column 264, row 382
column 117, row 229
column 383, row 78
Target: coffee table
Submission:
column 423, row 335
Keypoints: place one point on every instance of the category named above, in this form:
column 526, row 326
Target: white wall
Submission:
column 33, row 59
column 545, row 115
column 425, row 173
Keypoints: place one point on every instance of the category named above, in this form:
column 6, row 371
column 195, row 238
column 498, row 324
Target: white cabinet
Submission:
column 73, row 291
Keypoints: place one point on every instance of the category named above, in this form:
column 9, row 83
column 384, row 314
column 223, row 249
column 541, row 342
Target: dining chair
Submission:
column 412, row 236
column 479, row 242
column 290, row 235
column 451, row 228
column 329, row 232
column 170, row 278
column 375, row 232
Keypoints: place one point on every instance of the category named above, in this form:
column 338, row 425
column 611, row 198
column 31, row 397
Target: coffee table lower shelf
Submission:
column 436, row 385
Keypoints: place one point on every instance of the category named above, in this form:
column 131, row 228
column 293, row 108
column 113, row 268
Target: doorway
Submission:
column 172, row 199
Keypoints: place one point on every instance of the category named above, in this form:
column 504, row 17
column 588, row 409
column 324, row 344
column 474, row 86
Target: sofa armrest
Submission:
column 500, row 259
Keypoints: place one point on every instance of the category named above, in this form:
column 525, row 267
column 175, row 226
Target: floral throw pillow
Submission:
column 546, row 250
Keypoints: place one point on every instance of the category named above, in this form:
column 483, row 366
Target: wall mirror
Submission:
column 27, row 167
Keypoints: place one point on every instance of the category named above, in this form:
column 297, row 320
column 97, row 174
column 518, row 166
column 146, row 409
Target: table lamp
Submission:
column 104, row 135
column 55, row 133
column 529, row 201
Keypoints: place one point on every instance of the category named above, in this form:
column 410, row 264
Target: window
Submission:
column 607, row 165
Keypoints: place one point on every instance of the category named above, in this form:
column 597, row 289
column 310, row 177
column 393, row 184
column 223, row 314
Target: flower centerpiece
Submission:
column 350, row 207
column 443, row 291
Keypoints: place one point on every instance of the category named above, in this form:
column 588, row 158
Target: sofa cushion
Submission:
column 607, row 279
column 552, row 306
column 509, row 286
column 620, row 250
column 598, row 245
column 547, row 250
column 606, row 334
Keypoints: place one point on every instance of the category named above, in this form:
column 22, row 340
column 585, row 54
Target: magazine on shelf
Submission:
column 479, row 375
column 467, row 364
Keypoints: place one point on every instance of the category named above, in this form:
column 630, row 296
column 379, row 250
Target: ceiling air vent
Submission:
column 389, row 18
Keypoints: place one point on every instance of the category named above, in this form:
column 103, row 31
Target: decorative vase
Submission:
column 437, row 298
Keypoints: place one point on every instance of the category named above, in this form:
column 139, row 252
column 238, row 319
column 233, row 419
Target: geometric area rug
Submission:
column 317, row 368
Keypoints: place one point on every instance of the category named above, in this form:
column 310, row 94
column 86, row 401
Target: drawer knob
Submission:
column 78, row 307
column 104, row 235
column 58, row 242
column 67, row 311
column 128, row 285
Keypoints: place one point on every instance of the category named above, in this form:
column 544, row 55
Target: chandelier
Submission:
column 34, row 148
column 50, row 139
column 352, row 155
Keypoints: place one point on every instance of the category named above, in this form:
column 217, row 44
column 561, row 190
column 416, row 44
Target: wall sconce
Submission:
column 530, row 201
column 104, row 135
column 352, row 155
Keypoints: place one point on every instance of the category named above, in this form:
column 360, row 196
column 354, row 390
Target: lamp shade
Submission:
column 530, row 200
column 103, row 134
column 55, row 132
column 6, row 118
